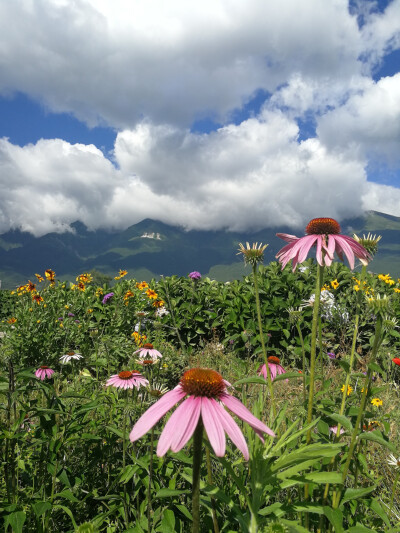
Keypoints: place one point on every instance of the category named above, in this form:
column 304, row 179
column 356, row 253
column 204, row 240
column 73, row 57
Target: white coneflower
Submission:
column 392, row 461
column 69, row 356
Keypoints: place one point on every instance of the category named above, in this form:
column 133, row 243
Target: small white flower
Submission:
column 68, row 356
column 392, row 461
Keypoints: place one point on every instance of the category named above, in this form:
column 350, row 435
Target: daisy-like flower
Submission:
column 69, row 356
column 157, row 390
column 142, row 285
column 370, row 242
column 50, row 275
column 334, row 284
column 195, row 275
column 147, row 351
column 393, row 461
column 152, row 295
column 274, row 367
column 107, row 297
column 127, row 380
column 396, row 361
column 324, row 233
column 44, row 372
column 37, row 298
column 203, row 391
column 254, row 254
column 377, row 402
column 349, row 389
column 39, row 278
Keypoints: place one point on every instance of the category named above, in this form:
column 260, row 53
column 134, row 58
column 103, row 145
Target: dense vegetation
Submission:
column 68, row 464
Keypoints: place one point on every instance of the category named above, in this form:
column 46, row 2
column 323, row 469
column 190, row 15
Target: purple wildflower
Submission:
column 107, row 297
column 195, row 275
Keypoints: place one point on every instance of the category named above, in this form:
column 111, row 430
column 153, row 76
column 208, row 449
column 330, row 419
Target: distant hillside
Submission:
column 150, row 249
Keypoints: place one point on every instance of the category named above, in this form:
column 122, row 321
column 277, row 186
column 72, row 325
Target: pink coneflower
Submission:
column 127, row 380
column 204, row 391
column 147, row 351
column 324, row 234
column 44, row 372
column 274, row 367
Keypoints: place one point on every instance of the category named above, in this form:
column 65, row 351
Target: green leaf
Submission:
column 254, row 379
column 359, row 528
column 41, row 507
column 16, row 521
column 372, row 435
column 335, row 517
column 168, row 493
column 288, row 375
column 68, row 495
column 342, row 420
column 168, row 522
column 377, row 508
column 355, row 494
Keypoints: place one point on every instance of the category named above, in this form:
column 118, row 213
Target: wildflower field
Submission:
column 267, row 404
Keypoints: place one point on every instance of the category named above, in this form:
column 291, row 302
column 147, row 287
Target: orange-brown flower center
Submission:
column 323, row 226
column 148, row 362
column 148, row 346
column 44, row 367
column 202, row 382
column 125, row 374
column 70, row 353
column 274, row 359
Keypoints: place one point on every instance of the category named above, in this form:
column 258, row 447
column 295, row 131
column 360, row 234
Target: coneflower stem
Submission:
column 210, row 481
column 348, row 376
column 260, row 327
column 304, row 359
column 353, row 442
column 314, row 328
column 393, row 492
column 197, row 446
column 149, row 506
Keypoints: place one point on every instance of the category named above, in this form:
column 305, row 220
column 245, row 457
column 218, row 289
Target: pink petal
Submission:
column 180, row 426
column 272, row 370
column 242, row 412
column 232, row 429
column 305, row 244
column 155, row 412
column 212, row 425
column 341, row 244
column 287, row 237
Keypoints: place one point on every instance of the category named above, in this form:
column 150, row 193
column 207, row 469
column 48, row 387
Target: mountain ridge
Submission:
column 156, row 249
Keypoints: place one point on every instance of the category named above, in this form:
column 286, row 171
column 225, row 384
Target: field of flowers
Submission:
column 116, row 400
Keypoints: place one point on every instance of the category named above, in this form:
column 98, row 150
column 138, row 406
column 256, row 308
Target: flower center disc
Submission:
column 43, row 367
column 148, row 362
column 125, row 374
column 70, row 353
column 274, row 359
column 203, row 382
column 148, row 346
column 323, row 226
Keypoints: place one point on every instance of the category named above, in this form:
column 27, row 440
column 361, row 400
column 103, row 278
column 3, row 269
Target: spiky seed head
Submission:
column 253, row 254
column 370, row 242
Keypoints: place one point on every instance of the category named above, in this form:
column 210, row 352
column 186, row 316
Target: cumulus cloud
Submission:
column 369, row 123
column 149, row 69
column 115, row 62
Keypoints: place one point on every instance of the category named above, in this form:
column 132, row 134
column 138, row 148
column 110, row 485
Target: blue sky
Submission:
column 218, row 116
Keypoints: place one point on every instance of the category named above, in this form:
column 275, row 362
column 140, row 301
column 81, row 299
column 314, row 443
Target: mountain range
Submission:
column 150, row 249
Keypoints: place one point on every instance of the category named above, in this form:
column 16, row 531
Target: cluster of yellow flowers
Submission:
column 138, row 338
column 334, row 284
column 82, row 280
column 369, row 291
column 121, row 274
column 389, row 281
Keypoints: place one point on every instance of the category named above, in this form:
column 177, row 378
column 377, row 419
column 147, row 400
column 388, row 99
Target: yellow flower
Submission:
column 349, row 389
column 38, row 321
column 99, row 291
column 334, row 284
column 90, row 310
column 66, row 306
column 356, row 287
column 142, row 285
column 396, row 289
column 151, row 294
column 39, row 278
column 158, row 303
column 377, row 402
column 128, row 294
column 123, row 273
column 12, row 320
column 325, row 287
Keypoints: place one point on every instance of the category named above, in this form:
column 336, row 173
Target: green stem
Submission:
column 303, row 353
column 197, row 446
column 172, row 314
column 314, row 328
column 260, row 327
column 124, row 438
column 210, row 481
column 351, row 363
column 149, row 507
column 377, row 341
column 393, row 492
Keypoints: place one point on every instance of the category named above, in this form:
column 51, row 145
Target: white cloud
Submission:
column 169, row 61
column 368, row 124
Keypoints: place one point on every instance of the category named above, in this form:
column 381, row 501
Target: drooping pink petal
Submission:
column 213, row 427
column 343, row 245
column 187, row 422
column 287, row 237
column 187, row 414
column 155, row 412
column 232, row 429
column 242, row 412
column 272, row 370
column 305, row 244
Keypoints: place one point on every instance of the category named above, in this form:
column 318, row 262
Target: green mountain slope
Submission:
column 150, row 249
